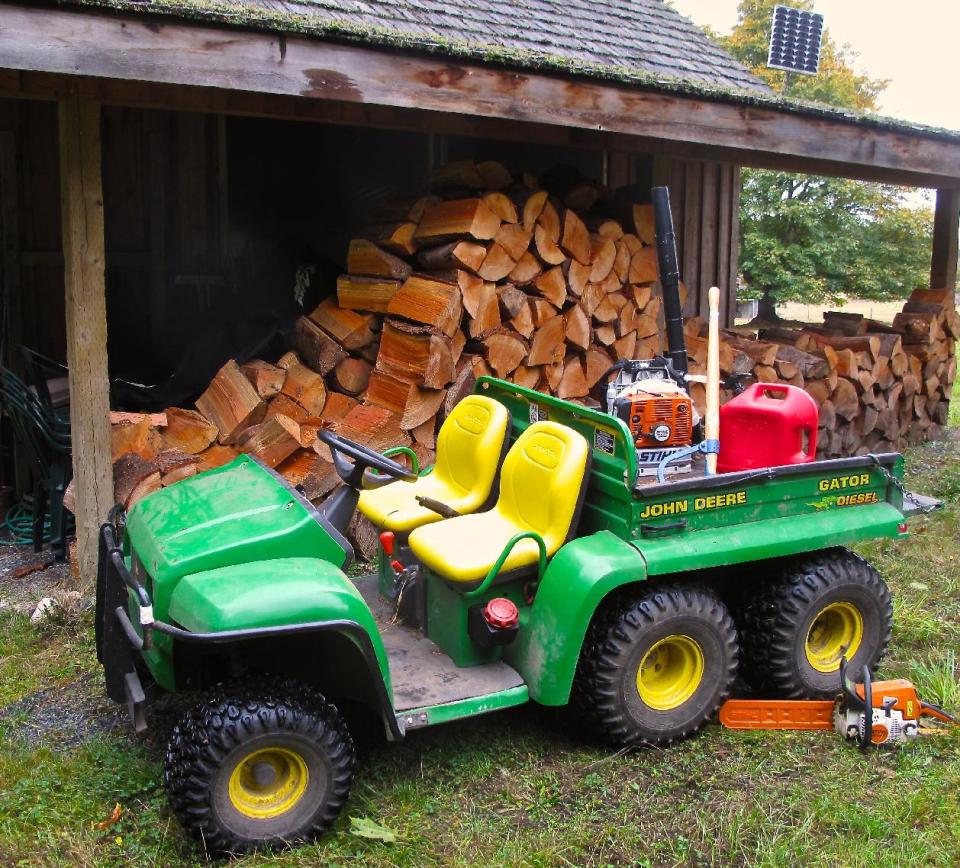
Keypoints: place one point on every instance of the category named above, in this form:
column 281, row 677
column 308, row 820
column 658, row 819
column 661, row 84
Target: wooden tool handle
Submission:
column 712, row 426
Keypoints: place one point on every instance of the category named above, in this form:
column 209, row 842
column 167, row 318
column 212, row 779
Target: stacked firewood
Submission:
column 487, row 276
column 879, row 387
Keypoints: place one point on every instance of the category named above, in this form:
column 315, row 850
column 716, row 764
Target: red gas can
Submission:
column 768, row 425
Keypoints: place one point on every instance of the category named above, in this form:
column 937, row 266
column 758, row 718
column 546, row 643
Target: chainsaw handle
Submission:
column 866, row 740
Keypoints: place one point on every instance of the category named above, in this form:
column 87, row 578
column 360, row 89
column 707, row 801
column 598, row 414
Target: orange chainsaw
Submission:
column 871, row 714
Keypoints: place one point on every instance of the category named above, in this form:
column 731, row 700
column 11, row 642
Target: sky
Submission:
column 914, row 45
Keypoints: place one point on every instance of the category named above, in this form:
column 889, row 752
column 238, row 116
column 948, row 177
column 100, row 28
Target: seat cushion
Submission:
column 541, row 487
column 470, row 447
column 464, row 549
column 394, row 507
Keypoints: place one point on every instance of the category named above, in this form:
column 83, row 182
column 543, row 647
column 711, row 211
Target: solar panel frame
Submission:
column 796, row 37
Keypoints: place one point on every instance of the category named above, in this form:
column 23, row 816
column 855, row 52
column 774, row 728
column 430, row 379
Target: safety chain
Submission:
column 922, row 508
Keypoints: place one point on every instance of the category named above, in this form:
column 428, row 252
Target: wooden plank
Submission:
column 734, row 247
column 709, row 196
column 725, row 219
column 73, row 42
column 690, row 252
column 943, row 263
column 86, row 320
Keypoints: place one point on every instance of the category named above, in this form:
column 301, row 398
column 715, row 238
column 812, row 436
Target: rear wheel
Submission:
column 654, row 669
column 820, row 609
column 259, row 767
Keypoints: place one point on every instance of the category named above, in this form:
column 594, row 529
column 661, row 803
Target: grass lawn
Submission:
column 520, row 787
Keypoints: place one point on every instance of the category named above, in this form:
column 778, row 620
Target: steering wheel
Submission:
column 363, row 458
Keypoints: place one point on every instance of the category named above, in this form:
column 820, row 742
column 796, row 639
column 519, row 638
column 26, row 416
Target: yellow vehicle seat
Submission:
column 470, row 447
column 542, row 485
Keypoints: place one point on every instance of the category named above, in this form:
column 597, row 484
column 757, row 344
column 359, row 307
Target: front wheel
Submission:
column 654, row 669
column 259, row 767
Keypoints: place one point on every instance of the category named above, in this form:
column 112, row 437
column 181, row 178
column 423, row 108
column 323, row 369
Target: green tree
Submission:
column 821, row 239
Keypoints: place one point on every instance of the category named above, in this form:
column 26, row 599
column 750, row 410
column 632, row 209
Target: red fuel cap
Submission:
column 501, row 613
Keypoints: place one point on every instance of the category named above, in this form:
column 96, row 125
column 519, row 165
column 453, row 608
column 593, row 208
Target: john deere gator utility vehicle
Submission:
column 528, row 565
column 535, row 561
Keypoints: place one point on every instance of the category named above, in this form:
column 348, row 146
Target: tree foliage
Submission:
column 816, row 239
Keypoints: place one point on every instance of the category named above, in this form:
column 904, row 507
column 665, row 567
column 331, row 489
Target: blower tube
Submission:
column 669, row 277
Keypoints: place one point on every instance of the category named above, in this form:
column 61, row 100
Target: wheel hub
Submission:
column 836, row 632
column 268, row 782
column 670, row 672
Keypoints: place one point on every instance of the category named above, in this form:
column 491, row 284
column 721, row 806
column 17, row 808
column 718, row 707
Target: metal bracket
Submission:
column 707, row 447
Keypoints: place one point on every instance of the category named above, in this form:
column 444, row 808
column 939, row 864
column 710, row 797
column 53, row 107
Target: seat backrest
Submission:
column 543, row 480
column 470, row 446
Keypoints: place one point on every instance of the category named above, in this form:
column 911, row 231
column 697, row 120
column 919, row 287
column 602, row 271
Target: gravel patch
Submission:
column 22, row 594
column 63, row 717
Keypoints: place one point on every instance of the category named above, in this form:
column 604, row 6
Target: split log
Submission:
column 643, row 223
column 175, row 466
column 487, row 317
column 526, row 269
column 547, row 249
column 317, row 350
column 532, row 209
column 271, row 441
column 459, row 218
column 577, row 328
column 504, row 353
column 351, row 330
column 514, row 239
column 366, row 293
column 552, row 286
column 498, row 263
column 603, row 257
column 314, row 475
column 351, row 376
column 501, row 205
column 468, row 255
column 215, row 456
column 188, row 431
column 416, row 357
column 573, row 383
column 307, row 388
column 643, row 266
column 397, row 238
column 286, row 406
column 139, row 439
column 231, row 403
column 575, row 240
column 547, row 344
column 267, row 379
column 134, row 478
column 430, row 302
column 366, row 259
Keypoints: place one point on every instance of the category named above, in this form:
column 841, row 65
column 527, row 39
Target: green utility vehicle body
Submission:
column 217, row 566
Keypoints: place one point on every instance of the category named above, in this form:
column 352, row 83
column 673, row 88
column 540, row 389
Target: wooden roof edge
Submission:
column 276, row 20
column 215, row 58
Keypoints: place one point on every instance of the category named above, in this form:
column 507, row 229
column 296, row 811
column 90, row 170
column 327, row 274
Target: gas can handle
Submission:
column 774, row 387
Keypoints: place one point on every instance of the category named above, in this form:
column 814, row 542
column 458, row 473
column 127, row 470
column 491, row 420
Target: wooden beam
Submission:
column 946, row 227
column 86, row 318
column 150, row 49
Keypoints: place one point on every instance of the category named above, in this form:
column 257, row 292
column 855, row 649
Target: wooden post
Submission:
column 86, row 317
column 946, row 225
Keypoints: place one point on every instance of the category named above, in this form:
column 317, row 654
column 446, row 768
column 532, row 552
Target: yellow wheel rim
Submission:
column 836, row 632
column 670, row 672
column 268, row 782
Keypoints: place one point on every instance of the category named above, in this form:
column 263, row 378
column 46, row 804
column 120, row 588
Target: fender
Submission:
column 551, row 635
column 284, row 596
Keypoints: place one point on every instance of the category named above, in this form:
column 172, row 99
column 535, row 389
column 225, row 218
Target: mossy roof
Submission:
column 644, row 43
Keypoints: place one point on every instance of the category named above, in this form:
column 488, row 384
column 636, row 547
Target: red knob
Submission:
column 386, row 540
column 501, row 613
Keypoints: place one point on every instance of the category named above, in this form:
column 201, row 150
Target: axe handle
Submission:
column 712, row 423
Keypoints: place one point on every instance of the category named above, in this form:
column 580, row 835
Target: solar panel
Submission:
column 795, row 40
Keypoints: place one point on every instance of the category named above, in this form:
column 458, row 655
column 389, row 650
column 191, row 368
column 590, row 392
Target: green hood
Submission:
column 239, row 513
